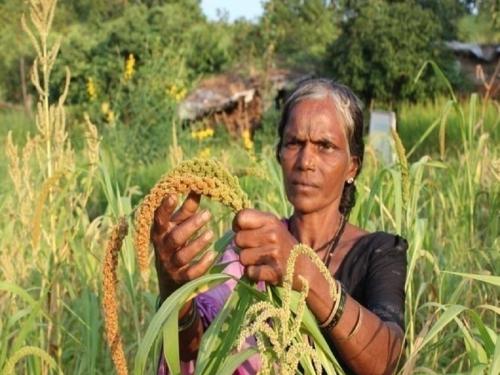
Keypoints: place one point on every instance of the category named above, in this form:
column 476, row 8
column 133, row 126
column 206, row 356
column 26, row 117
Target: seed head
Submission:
column 110, row 304
column 203, row 176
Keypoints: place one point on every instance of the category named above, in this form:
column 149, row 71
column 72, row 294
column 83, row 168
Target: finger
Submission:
column 181, row 233
column 263, row 273
column 258, row 256
column 250, row 219
column 250, row 238
column 164, row 212
column 199, row 268
column 186, row 254
column 188, row 208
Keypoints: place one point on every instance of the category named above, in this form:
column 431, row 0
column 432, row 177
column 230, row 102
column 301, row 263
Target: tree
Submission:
column 448, row 12
column 382, row 47
column 300, row 31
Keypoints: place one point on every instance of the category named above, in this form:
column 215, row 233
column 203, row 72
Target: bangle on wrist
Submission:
column 337, row 309
column 187, row 320
column 336, row 294
column 356, row 326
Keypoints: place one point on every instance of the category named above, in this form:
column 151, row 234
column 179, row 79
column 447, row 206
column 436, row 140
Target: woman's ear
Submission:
column 353, row 168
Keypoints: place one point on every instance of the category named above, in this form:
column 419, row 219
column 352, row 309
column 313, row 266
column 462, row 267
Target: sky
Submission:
column 249, row 9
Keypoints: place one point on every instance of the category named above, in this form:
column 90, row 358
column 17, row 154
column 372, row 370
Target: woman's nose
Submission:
column 306, row 158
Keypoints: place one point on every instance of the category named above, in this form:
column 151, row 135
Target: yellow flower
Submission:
column 91, row 89
column 247, row 140
column 209, row 132
column 109, row 115
column 202, row 134
column 105, row 107
column 176, row 93
column 205, row 153
column 129, row 67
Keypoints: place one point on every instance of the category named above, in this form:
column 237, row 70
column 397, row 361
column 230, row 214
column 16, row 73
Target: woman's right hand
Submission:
column 173, row 236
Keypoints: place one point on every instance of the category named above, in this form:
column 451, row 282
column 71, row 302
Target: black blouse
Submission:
column 374, row 272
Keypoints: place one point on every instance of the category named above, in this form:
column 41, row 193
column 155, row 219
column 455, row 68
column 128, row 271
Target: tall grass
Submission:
column 446, row 205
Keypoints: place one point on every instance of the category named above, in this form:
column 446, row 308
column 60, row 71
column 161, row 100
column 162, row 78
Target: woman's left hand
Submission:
column 265, row 245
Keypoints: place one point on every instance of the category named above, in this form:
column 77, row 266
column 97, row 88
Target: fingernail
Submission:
column 209, row 235
column 171, row 200
column 205, row 215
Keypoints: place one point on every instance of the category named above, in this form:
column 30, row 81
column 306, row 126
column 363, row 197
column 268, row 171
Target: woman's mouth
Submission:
column 304, row 185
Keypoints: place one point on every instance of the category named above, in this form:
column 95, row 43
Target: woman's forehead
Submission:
column 317, row 117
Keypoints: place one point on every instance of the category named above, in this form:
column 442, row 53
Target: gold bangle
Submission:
column 335, row 305
column 356, row 326
column 339, row 310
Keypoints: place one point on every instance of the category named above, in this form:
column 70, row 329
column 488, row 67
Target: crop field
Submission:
column 69, row 170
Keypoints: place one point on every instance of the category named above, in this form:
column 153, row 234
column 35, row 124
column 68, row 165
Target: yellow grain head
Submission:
column 206, row 177
column 109, row 302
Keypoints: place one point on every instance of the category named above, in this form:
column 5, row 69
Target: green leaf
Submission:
column 494, row 280
column 489, row 345
column 171, row 343
column 234, row 360
column 495, row 309
column 169, row 306
column 475, row 351
column 495, row 363
column 450, row 313
column 220, row 337
column 221, row 244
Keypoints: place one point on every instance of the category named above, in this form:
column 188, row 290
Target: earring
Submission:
column 350, row 180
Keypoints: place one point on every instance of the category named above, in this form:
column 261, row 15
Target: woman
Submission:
column 320, row 151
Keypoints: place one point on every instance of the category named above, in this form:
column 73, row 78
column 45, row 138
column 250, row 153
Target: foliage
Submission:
column 442, row 199
column 299, row 31
column 448, row 12
column 381, row 48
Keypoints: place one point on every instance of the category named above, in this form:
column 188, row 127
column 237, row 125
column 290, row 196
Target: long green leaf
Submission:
column 169, row 306
column 495, row 362
column 220, row 338
column 234, row 360
column 448, row 316
column 171, row 337
column 489, row 345
column 211, row 339
column 494, row 280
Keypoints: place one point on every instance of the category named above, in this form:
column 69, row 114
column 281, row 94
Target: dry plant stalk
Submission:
column 45, row 157
column 403, row 164
column 205, row 177
column 37, row 216
column 110, row 303
column 279, row 338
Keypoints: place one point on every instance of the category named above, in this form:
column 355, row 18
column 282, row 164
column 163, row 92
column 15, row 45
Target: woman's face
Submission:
column 315, row 157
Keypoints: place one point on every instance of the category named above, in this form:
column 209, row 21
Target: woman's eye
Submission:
column 326, row 146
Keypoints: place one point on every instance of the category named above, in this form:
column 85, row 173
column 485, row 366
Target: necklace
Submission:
column 334, row 241
column 330, row 244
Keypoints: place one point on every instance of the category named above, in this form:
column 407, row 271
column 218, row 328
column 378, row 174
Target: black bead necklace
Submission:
column 330, row 244
column 334, row 241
